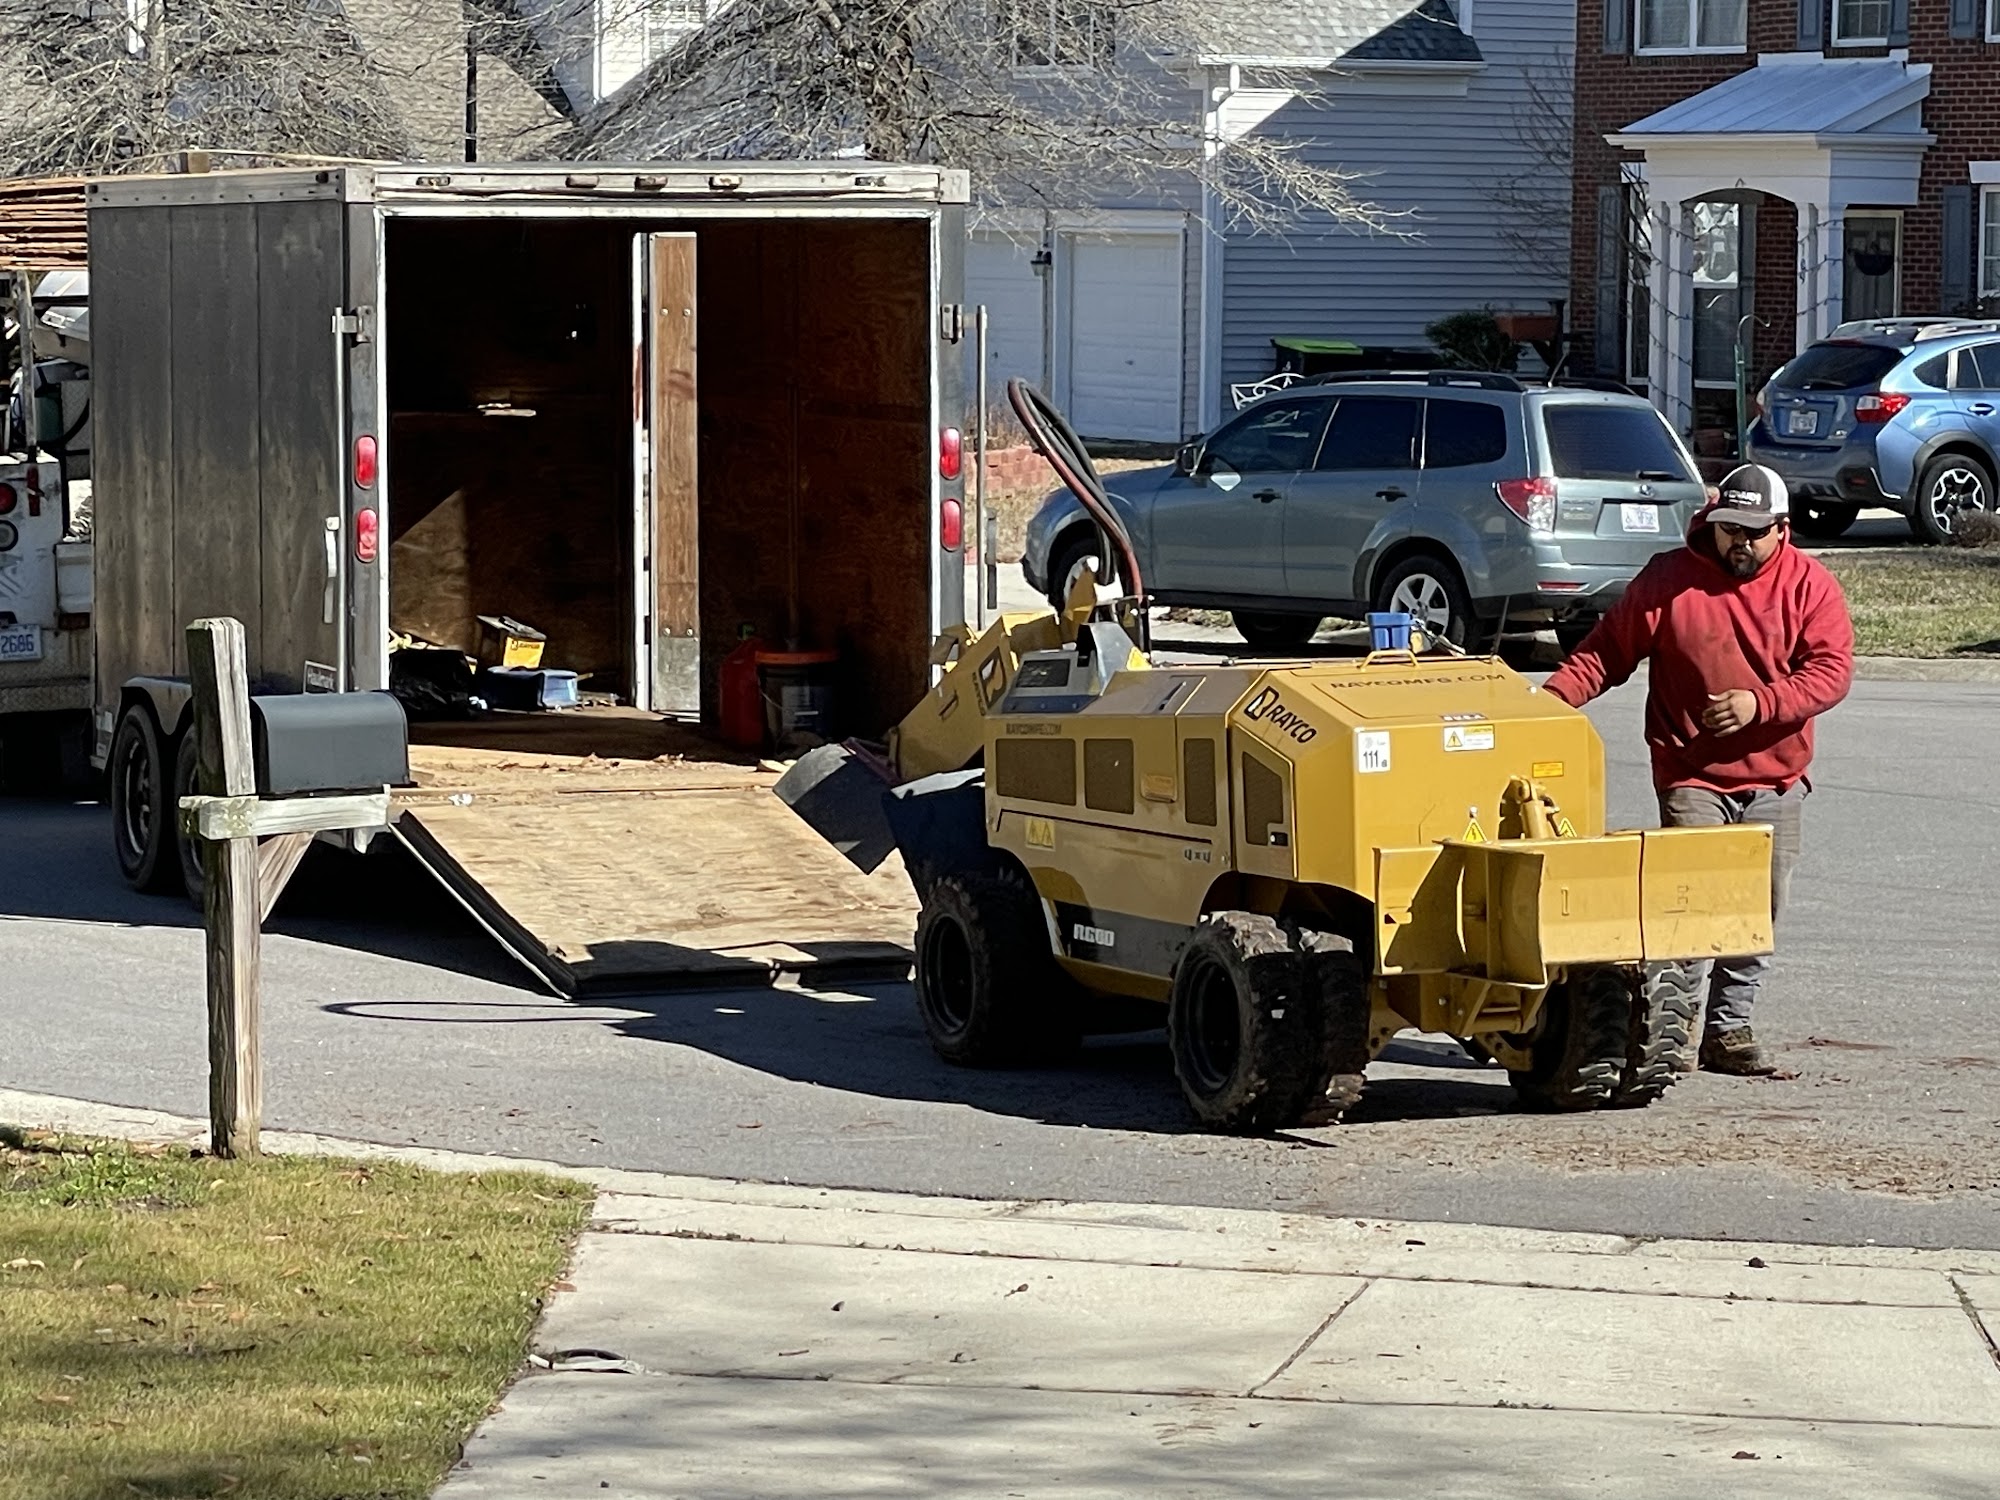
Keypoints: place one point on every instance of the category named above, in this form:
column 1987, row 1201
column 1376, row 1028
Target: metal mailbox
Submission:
column 328, row 742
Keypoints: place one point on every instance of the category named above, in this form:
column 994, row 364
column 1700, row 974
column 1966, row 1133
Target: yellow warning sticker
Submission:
column 1547, row 770
column 1041, row 833
column 1564, row 828
column 1468, row 737
column 1473, row 834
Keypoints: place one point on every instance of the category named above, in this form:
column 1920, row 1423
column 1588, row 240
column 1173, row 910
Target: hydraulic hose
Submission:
column 1057, row 442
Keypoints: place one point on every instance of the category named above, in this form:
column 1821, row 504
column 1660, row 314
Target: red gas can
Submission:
column 742, row 704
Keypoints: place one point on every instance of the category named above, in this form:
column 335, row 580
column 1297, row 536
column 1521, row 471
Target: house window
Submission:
column 1993, row 21
column 1860, row 23
column 1989, row 243
column 1046, row 34
column 1693, row 25
column 1638, row 286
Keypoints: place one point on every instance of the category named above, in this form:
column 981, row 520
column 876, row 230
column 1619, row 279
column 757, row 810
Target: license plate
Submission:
column 1800, row 423
column 1639, row 517
column 21, row 643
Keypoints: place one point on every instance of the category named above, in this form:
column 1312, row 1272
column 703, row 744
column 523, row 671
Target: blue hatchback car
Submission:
column 1903, row 413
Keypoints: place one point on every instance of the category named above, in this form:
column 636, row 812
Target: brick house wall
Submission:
column 1614, row 90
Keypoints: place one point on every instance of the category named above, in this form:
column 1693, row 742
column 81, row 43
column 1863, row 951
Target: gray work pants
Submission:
column 1731, row 983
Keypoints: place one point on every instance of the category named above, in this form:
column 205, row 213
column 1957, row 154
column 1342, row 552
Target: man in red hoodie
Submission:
column 1748, row 639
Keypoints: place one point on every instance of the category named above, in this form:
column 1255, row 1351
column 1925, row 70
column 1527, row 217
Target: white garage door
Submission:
column 1000, row 275
column 1124, row 308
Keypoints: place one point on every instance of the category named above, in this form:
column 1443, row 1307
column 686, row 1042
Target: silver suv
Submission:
column 1459, row 497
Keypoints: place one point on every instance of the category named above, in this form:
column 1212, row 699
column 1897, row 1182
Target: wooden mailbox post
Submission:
column 243, row 881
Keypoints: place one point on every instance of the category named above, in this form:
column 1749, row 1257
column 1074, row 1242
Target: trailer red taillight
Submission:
column 8, row 499
column 951, row 525
column 367, row 531
column 951, row 453
column 364, row 463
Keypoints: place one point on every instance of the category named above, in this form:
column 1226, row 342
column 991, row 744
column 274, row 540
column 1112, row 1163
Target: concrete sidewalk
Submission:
column 723, row 1340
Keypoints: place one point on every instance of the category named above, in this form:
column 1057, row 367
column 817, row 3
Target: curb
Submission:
column 1926, row 669
column 119, row 1122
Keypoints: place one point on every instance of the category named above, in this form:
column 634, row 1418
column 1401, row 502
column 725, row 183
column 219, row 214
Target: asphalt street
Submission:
column 388, row 1017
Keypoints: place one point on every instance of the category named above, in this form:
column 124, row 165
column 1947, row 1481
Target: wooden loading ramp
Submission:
column 607, row 873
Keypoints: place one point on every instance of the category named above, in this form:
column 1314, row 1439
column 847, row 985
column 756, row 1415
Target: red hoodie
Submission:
column 1783, row 634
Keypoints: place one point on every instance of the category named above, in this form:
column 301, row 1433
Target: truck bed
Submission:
column 610, row 849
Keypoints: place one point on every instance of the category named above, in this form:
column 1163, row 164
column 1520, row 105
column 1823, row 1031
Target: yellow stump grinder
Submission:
column 1297, row 859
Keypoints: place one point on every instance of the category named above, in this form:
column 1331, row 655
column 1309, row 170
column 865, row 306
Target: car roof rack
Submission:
column 1486, row 380
column 1917, row 330
column 1592, row 383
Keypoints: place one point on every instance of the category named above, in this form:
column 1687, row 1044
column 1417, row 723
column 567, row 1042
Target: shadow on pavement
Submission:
column 381, row 903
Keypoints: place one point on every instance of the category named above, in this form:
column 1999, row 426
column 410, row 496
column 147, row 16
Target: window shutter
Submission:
column 1965, row 20
column 1812, row 25
column 1610, row 281
column 1955, row 285
column 1899, row 23
column 1617, row 25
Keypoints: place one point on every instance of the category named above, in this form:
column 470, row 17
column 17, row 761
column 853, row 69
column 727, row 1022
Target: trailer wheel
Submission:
column 187, row 781
column 1244, row 1026
column 142, row 826
column 988, row 988
column 1576, row 1053
column 1664, row 1002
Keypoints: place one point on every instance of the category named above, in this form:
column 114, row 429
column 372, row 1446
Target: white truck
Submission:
column 45, row 552
column 647, row 409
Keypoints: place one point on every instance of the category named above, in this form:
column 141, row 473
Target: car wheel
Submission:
column 1274, row 632
column 1082, row 549
column 142, row 821
column 1823, row 520
column 1950, row 484
column 1428, row 589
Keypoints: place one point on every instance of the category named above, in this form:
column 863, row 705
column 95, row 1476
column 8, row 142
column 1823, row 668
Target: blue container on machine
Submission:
column 1390, row 631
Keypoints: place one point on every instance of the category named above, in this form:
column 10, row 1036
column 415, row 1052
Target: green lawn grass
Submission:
column 1932, row 601
column 280, row 1329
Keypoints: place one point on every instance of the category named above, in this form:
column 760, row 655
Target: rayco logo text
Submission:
column 1267, row 708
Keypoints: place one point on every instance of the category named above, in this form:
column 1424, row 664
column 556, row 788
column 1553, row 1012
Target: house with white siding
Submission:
column 1138, row 316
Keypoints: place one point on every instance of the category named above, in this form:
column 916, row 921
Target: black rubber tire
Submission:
column 1339, row 984
column 1245, row 1034
column 1573, row 633
column 1084, row 542
column 1823, row 520
column 1664, row 1002
column 187, row 781
column 988, row 989
column 1931, row 516
column 1268, row 632
column 1448, row 589
column 142, row 821
column 1577, row 1050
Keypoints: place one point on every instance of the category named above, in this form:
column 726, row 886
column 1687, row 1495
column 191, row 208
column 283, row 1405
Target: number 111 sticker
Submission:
column 1371, row 751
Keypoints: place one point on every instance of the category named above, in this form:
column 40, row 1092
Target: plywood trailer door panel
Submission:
column 670, row 479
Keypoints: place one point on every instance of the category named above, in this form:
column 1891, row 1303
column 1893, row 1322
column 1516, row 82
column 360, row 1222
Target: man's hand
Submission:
column 1728, row 712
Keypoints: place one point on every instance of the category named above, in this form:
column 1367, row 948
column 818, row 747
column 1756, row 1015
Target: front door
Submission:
column 1874, row 253
column 667, row 511
column 1221, row 530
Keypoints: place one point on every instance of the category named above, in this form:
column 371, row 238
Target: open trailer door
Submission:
column 666, row 510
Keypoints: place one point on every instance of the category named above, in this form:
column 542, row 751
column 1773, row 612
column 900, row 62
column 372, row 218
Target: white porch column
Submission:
column 1822, row 257
column 1670, row 355
column 1832, row 270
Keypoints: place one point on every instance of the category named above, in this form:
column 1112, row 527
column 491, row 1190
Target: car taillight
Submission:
column 951, row 525
column 1533, row 500
column 8, row 499
column 951, row 453
column 367, row 533
column 1880, row 407
column 364, row 463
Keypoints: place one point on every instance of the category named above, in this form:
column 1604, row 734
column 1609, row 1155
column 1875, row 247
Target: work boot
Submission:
column 1735, row 1052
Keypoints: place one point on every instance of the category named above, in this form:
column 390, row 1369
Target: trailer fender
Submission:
column 170, row 698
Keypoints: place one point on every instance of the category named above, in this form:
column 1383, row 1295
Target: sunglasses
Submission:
column 1737, row 533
